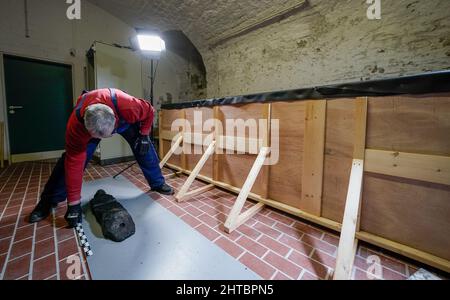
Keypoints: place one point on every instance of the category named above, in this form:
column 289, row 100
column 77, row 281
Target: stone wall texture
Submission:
column 325, row 42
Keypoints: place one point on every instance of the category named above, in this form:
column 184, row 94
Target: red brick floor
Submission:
column 273, row 244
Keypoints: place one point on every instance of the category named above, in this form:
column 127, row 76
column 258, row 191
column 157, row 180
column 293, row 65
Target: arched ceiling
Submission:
column 203, row 21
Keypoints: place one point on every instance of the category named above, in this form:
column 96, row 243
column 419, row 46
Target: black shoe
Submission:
column 165, row 190
column 74, row 215
column 41, row 211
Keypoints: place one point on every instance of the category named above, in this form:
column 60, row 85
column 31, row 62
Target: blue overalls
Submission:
column 55, row 188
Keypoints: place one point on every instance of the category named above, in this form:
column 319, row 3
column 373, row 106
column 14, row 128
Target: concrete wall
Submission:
column 333, row 41
column 53, row 35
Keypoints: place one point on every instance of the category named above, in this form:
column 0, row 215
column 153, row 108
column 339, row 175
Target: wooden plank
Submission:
column 195, row 172
column 285, row 184
column 347, row 242
column 175, row 159
column 246, row 215
column 161, row 143
column 196, row 192
column 194, row 138
column 351, row 221
column 411, row 252
column 410, row 212
column 410, row 123
column 231, row 222
column 360, row 128
column 275, row 204
column 265, row 171
column 172, row 150
column 313, row 153
column 242, row 144
column 234, row 168
column 430, row 168
column 185, row 146
column 217, row 133
column 2, row 144
column 339, row 148
column 168, row 176
column 168, row 135
column 169, row 116
column 267, row 115
column 429, row 259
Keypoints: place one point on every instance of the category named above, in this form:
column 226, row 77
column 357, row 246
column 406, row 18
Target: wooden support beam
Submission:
column 186, row 147
column 267, row 115
column 313, row 156
column 181, row 196
column 246, row 215
column 168, row 176
column 160, row 139
column 217, row 134
column 359, row 142
column 347, row 242
column 196, row 192
column 407, row 251
column 168, row 135
column 172, row 150
column 272, row 203
column 2, row 144
column 233, row 220
column 430, row 168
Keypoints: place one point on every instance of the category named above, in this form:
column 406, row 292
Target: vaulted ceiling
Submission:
column 205, row 22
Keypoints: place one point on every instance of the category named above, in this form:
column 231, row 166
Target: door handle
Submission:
column 16, row 107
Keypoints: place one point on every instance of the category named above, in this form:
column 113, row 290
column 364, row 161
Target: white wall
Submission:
column 53, row 35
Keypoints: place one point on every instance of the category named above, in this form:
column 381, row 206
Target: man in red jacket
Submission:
column 99, row 114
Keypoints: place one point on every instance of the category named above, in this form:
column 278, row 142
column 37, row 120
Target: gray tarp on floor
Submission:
column 164, row 247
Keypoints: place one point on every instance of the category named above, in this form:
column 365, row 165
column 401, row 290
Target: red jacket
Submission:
column 131, row 109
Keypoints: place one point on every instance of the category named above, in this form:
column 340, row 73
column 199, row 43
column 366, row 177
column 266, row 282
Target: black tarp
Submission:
column 435, row 82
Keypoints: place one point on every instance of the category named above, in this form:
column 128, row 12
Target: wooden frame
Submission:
column 235, row 218
column 183, row 194
column 172, row 150
column 431, row 179
column 407, row 251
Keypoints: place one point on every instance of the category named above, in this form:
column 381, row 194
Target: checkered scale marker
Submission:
column 82, row 240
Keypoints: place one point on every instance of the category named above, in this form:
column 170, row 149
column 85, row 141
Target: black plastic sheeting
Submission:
column 436, row 82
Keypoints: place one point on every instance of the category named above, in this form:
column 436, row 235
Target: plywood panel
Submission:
column 168, row 116
column 197, row 118
column 235, row 169
column 285, row 182
column 416, row 124
column 192, row 160
column 409, row 212
column 247, row 112
column 339, row 142
column 313, row 153
column 175, row 159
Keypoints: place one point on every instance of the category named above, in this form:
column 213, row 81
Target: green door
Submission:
column 39, row 102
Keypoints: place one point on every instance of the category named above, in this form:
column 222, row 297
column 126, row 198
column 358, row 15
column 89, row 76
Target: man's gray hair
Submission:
column 99, row 120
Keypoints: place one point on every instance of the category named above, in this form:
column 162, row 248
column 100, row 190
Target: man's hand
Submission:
column 73, row 215
column 142, row 145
